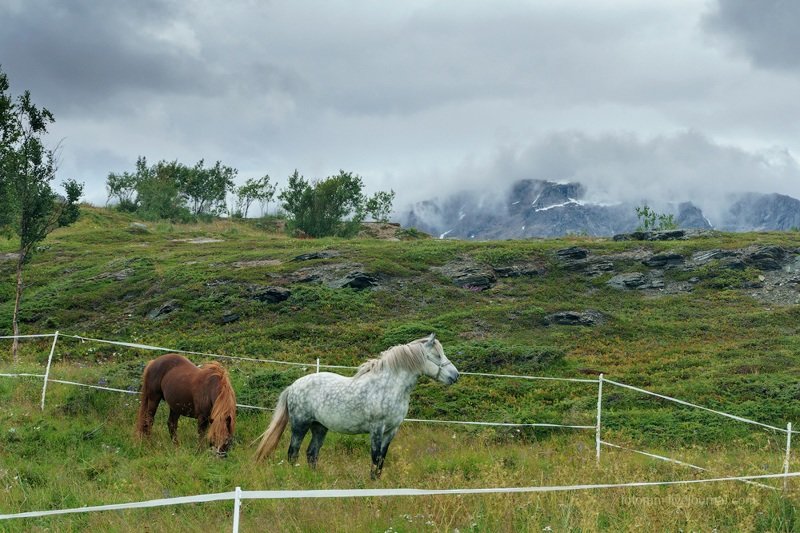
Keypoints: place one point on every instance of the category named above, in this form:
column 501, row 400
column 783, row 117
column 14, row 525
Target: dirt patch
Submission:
column 199, row 240
column 256, row 263
column 380, row 230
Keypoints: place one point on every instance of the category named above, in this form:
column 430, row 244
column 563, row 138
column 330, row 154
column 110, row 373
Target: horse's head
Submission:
column 437, row 365
column 220, row 434
column 223, row 416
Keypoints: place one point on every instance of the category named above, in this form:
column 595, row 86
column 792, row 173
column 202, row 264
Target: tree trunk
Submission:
column 17, row 299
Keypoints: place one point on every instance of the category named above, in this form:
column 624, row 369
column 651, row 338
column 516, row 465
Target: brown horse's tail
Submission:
column 270, row 438
column 142, row 424
column 223, row 413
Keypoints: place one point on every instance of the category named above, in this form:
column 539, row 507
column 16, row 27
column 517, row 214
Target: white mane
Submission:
column 409, row 357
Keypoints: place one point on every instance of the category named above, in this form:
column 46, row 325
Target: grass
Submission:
column 714, row 346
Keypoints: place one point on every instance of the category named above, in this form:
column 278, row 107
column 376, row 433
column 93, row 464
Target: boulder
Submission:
column 163, row 310
column 468, row 274
column 572, row 253
column 765, row 257
column 630, row 280
column 229, row 317
column 665, row 260
column 357, row 280
column 323, row 254
column 575, row 318
column 270, row 295
column 519, row 270
column 138, row 227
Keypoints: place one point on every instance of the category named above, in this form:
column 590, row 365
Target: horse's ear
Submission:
column 431, row 340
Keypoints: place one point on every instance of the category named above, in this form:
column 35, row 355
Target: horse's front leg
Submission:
column 376, row 442
column 388, row 436
column 172, row 425
column 202, row 428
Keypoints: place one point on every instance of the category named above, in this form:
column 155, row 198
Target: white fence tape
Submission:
column 688, row 404
column 372, row 493
column 515, row 376
column 27, row 336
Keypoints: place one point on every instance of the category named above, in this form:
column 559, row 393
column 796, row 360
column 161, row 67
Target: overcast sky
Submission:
column 634, row 98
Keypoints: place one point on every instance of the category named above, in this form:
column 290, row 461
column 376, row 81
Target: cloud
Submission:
column 765, row 31
column 624, row 167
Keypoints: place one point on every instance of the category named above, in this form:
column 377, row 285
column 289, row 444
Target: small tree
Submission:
column 205, row 188
column 158, row 192
column 254, row 190
column 29, row 206
column 333, row 206
column 380, row 206
column 650, row 220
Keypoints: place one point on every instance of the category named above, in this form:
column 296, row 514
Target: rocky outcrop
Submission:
column 164, row 309
column 575, row 318
column 666, row 260
column 322, row 254
column 270, row 295
column 355, row 280
column 468, row 274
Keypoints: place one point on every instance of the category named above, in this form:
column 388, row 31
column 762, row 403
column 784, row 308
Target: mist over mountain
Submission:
column 541, row 208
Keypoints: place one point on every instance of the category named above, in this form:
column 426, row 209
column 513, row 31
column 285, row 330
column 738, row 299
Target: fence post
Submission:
column 599, row 411
column 47, row 370
column 236, row 502
column 786, row 457
column 317, row 365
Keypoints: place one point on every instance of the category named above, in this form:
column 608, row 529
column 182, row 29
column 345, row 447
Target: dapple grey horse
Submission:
column 374, row 401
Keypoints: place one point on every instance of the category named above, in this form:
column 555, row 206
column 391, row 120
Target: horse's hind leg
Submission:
column 318, row 432
column 299, row 430
column 172, row 425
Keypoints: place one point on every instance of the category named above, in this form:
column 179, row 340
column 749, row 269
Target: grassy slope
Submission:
column 713, row 346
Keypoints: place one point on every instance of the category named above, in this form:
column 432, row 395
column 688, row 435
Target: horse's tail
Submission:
column 223, row 413
column 271, row 437
column 141, row 419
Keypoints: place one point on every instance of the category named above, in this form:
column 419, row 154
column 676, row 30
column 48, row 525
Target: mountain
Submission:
column 539, row 208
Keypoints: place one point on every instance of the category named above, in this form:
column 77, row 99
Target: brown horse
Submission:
column 204, row 393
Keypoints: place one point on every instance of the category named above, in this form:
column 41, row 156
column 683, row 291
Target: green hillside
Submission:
column 709, row 320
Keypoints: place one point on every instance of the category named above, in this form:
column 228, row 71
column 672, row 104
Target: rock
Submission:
column 706, row 256
column 229, row 317
column 575, row 318
column 765, row 257
column 665, row 260
column 468, row 275
column 601, row 267
column 9, row 257
column 666, row 235
column 519, row 270
column 163, row 310
column 572, row 253
column 631, row 280
column 270, row 295
column 324, row 254
column 355, row 280
column 138, row 227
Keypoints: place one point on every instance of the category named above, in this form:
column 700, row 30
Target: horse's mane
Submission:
column 409, row 356
column 224, row 404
